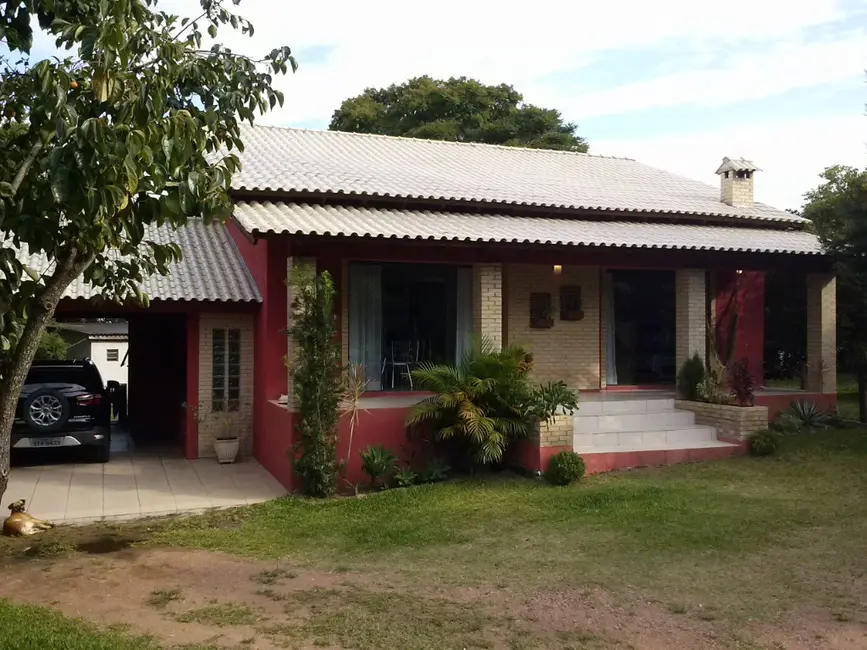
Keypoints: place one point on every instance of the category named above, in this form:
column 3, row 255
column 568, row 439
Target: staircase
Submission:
column 636, row 422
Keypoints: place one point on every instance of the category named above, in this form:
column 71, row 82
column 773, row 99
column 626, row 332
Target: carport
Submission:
column 190, row 379
column 179, row 364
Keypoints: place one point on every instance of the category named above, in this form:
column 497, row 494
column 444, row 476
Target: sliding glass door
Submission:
column 403, row 315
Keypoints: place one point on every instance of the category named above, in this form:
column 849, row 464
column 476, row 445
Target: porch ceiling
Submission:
column 335, row 220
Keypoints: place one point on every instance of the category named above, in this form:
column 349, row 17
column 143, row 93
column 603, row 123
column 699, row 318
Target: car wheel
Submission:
column 46, row 410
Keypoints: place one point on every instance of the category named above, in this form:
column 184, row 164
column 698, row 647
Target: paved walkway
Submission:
column 134, row 485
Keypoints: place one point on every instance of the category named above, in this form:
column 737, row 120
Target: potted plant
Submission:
column 227, row 443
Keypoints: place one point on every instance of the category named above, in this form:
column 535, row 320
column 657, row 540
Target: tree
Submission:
column 837, row 209
column 52, row 346
column 315, row 369
column 136, row 127
column 461, row 110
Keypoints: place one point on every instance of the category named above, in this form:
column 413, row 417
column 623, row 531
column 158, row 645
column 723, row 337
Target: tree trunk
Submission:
column 38, row 317
column 862, row 392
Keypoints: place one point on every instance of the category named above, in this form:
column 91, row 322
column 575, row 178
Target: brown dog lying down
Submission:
column 20, row 524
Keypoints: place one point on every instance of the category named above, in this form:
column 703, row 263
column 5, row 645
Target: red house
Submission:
column 610, row 271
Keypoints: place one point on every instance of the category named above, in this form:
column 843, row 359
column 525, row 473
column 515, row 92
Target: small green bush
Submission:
column 377, row 462
column 690, row 376
column 405, row 477
column 764, row 443
column 565, row 468
column 435, row 471
column 807, row 415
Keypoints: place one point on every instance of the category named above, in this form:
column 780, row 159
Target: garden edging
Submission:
column 732, row 423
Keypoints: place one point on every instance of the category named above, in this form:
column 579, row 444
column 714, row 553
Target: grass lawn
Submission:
column 36, row 628
column 731, row 544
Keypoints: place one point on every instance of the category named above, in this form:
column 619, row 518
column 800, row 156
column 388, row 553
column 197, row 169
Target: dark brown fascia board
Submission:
column 423, row 250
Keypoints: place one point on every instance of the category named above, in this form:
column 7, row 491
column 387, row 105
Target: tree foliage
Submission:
column 459, row 109
column 837, row 209
column 52, row 346
column 134, row 127
column 316, row 378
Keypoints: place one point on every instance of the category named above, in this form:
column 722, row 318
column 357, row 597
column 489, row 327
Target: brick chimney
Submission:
column 736, row 181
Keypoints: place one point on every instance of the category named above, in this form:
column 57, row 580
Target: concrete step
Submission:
column 605, row 460
column 654, row 439
column 634, row 422
column 589, row 406
column 641, row 446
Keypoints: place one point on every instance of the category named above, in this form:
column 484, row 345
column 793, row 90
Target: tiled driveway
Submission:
column 135, row 485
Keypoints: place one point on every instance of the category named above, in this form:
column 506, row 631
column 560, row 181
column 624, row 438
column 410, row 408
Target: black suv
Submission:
column 64, row 404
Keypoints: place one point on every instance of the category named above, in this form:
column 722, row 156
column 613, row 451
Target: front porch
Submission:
column 553, row 300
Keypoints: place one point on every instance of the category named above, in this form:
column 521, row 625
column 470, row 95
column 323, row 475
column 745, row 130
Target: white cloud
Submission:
column 790, row 153
column 385, row 41
column 787, row 66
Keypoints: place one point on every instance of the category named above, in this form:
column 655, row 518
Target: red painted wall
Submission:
column 274, row 441
column 386, row 427
column 778, row 403
column 266, row 260
column 746, row 293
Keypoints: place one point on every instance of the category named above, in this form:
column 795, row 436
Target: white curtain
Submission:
column 464, row 295
column 610, row 338
column 365, row 321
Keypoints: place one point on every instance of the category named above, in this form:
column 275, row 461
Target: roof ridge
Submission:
column 481, row 145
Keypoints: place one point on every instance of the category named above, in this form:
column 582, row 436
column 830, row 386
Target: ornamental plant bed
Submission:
column 732, row 422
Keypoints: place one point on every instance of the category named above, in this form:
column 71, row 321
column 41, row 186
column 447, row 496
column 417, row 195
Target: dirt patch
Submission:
column 181, row 597
column 811, row 628
column 196, row 597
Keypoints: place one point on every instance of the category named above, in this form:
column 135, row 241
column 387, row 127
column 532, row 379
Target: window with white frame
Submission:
column 226, row 370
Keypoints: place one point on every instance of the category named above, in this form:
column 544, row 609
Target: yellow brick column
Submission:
column 691, row 315
column 488, row 302
column 821, row 333
column 213, row 423
column 304, row 265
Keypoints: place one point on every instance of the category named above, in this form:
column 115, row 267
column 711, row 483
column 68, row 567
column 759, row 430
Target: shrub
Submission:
column 742, row 384
column 377, row 462
column 487, row 400
column 806, row 416
column 405, row 477
column 434, row 472
column 52, row 347
column 565, row 467
column 764, row 443
column 546, row 400
column 710, row 391
column 690, row 377
column 315, row 372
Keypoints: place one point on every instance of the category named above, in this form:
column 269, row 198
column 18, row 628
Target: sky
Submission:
column 677, row 84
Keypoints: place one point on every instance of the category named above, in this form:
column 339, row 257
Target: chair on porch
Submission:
column 403, row 358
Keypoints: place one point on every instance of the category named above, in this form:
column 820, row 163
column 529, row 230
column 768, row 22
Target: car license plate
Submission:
column 46, row 442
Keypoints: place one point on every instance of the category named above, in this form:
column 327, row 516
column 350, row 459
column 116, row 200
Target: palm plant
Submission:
column 486, row 400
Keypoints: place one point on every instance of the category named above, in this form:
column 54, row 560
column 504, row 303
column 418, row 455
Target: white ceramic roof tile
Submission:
column 211, row 270
column 278, row 159
column 308, row 219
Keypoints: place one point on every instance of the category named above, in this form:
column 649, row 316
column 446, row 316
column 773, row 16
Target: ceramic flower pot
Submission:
column 227, row 449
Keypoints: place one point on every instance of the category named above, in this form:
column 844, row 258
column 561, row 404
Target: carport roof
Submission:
column 211, row 270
